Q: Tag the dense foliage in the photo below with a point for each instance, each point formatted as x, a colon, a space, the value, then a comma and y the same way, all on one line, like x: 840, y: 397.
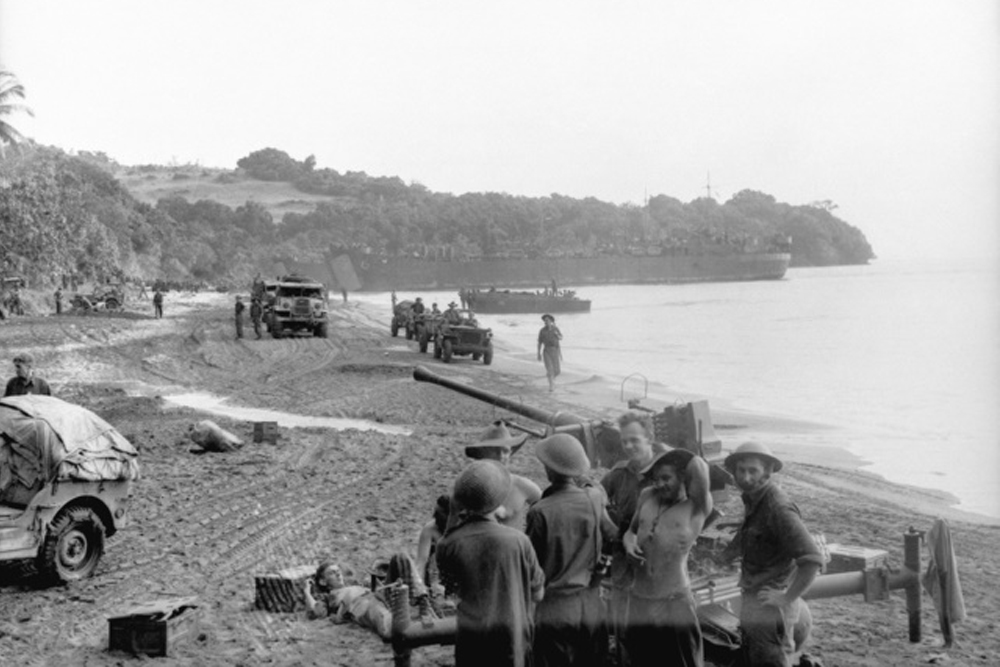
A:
x: 63, y: 214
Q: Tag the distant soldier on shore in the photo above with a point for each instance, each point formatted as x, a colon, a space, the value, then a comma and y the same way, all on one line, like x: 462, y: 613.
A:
x: 255, y: 314
x: 239, y: 316
x: 58, y: 297
x: 549, y: 350
x: 158, y: 304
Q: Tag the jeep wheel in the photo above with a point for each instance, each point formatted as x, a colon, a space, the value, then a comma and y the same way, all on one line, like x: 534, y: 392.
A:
x: 276, y: 329
x: 111, y: 304
x: 475, y: 356
x: 423, y: 341
x: 437, y: 349
x: 488, y: 356
x: 321, y: 331
x: 409, y: 333
x: 73, y: 547
x: 446, y: 353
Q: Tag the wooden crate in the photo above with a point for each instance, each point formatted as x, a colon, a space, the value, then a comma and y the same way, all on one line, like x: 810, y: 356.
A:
x: 154, y: 629
x: 283, y: 591
x: 850, y: 558
x: 265, y: 432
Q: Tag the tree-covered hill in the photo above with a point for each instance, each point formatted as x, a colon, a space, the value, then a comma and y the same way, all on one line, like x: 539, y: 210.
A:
x: 86, y: 215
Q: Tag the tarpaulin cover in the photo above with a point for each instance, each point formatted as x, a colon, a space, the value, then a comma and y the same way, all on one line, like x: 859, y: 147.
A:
x: 46, y: 438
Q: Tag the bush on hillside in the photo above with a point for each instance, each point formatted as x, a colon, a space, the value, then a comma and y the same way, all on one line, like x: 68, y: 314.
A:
x: 270, y: 164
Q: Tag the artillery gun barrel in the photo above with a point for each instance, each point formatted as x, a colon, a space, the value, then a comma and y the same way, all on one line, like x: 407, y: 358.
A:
x: 422, y: 374
x: 601, y: 441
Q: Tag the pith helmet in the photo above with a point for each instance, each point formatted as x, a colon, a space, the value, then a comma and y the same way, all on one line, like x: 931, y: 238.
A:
x: 748, y: 449
x: 564, y: 454
x: 497, y: 435
x: 482, y: 487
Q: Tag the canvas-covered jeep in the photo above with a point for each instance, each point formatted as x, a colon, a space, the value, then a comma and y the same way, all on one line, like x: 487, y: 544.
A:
x: 65, y: 485
x: 463, y: 337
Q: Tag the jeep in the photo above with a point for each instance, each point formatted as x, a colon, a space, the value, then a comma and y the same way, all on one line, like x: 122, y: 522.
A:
x: 299, y: 307
x: 65, y: 485
x: 463, y: 337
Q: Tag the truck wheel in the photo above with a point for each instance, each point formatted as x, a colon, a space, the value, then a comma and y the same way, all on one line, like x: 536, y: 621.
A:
x: 111, y: 304
x: 276, y: 329
x: 446, y: 353
x: 73, y: 547
x: 395, y: 329
x: 488, y: 356
x: 321, y: 331
x: 423, y: 342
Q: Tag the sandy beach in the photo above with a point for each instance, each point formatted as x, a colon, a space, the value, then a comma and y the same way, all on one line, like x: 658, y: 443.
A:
x: 206, y: 524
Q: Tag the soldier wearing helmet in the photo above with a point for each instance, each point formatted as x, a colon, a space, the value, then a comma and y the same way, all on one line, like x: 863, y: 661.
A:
x: 780, y: 559
x: 494, y: 571
x: 566, y: 528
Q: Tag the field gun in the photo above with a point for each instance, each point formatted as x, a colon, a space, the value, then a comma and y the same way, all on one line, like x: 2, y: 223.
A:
x: 601, y: 440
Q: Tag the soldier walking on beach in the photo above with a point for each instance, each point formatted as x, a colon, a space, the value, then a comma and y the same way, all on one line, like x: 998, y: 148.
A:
x: 239, y: 316
x: 780, y: 560
x: 565, y: 528
x: 494, y: 571
x: 255, y: 314
x: 549, y: 351
x: 662, y: 624
x: 623, y: 483
x: 158, y: 304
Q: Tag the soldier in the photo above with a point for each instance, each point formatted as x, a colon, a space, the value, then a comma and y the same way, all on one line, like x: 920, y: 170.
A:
x: 497, y: 444
x: 239, y: 316
x: 452, y: 316
x: 58, y: 300
x: 255, y: 313
x: 549, y: 350
x: 435, y: 310
x: 25, y: 381
x: 158, y: 304
x: 565, y: 528
x: 780, y: 560
x: 662, y: 624
x: 494, y: 571
x: 623, y: 483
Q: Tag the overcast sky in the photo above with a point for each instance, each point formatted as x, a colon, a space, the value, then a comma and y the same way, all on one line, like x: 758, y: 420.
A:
x: 887, y: 107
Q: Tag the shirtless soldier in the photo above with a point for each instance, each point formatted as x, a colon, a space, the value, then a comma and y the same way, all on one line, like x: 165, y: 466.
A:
x: 662, y: 624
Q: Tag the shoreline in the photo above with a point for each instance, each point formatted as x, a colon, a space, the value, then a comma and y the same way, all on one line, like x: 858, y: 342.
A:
x: 811, y: 448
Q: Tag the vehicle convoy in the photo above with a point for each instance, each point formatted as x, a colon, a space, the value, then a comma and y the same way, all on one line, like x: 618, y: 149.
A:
x: 299, y: 307
x: 462, y: 338
x: 65, y: 485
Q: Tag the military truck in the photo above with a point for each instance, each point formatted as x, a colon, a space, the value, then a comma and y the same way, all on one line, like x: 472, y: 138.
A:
x: 461, y: 337
x: 299, y: 307
x: 65, y: 485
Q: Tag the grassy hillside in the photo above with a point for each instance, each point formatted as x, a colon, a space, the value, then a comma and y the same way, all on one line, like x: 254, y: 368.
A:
x: 149, y: 184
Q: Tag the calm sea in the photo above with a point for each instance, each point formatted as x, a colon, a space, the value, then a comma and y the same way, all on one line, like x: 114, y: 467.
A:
x: 900, y: 358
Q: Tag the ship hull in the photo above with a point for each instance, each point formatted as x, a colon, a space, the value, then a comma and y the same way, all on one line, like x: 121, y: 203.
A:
x: 382, y: 274
x: 385, y: 274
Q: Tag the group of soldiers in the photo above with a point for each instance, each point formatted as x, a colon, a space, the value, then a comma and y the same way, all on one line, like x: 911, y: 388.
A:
x: 527, y: 565
x: 256, y: 314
